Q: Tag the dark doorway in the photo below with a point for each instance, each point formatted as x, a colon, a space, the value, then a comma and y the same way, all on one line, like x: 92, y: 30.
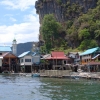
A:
x: 27, y: 69
x: 0, y: 70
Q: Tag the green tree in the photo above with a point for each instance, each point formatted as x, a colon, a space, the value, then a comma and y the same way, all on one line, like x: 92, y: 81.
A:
x: 84, y: 34
x: 86, y: 44
x: 97, y: 33
x: 50, y: 30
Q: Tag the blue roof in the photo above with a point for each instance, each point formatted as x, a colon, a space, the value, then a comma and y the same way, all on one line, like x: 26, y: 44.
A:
x: 5, y: 48
x: 24, y: 54
x: 34, y: 54
x: 89, y: 51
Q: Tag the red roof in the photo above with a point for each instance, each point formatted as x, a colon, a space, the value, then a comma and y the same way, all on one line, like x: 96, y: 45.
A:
x: 57, y: 55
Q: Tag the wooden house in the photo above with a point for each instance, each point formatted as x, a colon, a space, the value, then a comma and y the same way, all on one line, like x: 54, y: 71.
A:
x: 29, y: 61
x: 74, y: 57
x: 56, y: 61
x: 9, y: 62
x: 7, y: 59
x: 91, y: 59
x: 26, y: 62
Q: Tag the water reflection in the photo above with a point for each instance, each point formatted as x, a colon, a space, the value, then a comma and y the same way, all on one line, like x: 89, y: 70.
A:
x: 60, y: 89
x: 28, y: 88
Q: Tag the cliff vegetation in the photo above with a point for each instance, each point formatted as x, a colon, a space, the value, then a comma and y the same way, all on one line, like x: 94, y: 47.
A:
x: 65, y: 24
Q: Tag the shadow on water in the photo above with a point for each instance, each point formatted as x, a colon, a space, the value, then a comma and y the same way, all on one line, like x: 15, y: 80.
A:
x: 31, y: 88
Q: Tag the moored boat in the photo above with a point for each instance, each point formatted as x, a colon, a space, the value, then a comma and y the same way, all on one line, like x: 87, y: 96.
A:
x: 36, y: 74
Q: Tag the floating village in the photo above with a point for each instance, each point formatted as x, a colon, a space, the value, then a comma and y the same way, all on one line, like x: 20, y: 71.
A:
x: 57, y: 64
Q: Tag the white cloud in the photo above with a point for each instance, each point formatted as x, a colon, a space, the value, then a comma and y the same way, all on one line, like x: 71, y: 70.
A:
x: 23, y: 32
x: 31, y: 18
x: 18, y: 4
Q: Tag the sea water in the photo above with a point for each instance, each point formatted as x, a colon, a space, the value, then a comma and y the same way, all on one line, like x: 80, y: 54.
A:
x: 14, y: 87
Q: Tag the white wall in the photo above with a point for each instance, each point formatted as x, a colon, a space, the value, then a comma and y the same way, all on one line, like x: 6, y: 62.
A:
x: 26, y: 63
x: 0, y: 62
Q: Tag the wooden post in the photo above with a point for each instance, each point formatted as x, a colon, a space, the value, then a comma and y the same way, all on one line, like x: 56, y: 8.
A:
x: 53, y: 64
x: 9, y: 63
x: 31, y: 68
x: 16, y: 65
x: 56, y: 60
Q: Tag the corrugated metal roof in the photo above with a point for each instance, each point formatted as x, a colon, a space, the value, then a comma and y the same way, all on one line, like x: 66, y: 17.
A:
x: 24, y: 54
x: 57, y: 54
x: 5, y: 48
x: 89, y: 51
x: 96, y: 56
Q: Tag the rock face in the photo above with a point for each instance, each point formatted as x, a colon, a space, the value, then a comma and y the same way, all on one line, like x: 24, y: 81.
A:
x: 63, y: 9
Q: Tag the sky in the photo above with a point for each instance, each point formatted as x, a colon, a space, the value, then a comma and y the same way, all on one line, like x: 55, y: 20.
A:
x: 18, y: 20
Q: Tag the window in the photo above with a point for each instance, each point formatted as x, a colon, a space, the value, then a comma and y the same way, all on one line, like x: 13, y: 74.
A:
x: 21, y: 60
x: 27, y: 60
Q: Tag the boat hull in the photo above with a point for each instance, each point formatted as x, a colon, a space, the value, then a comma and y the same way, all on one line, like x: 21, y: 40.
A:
x: 36, y: 75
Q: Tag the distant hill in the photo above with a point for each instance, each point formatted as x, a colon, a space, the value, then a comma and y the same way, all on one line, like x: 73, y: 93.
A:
x: 23, y: 47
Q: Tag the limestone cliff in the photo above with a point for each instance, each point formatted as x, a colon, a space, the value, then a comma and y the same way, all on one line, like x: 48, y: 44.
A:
x: 63, y: 9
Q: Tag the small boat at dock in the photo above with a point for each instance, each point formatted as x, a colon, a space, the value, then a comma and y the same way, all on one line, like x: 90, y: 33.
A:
x: 36, y: 74
x: 5, y: 72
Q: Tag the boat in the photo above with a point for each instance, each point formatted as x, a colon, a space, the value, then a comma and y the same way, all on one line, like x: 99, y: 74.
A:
x: 36, y: 74
x: 75, y: 76
x: 28, y: 75
x: 5, y: 72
